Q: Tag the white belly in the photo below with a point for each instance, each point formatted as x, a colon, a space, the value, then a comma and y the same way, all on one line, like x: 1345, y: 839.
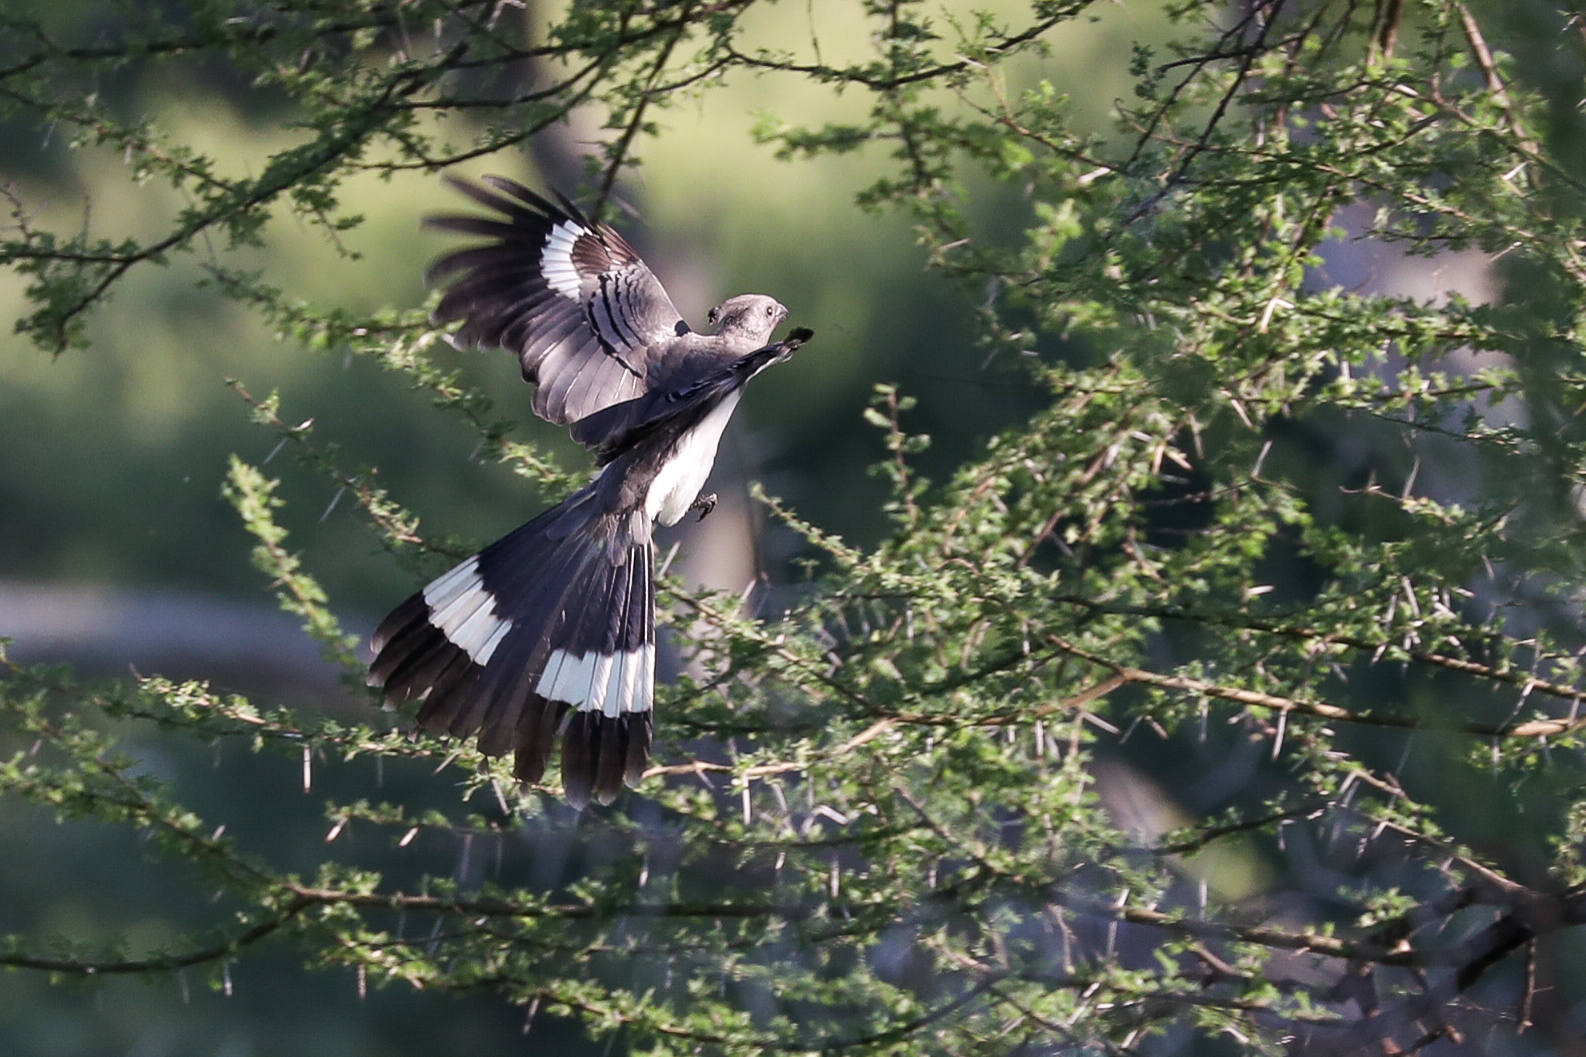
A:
x: 682, y: 476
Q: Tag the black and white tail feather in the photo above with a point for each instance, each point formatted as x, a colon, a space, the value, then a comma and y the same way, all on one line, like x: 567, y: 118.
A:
x: 556, y: 616
x: 550, y: 631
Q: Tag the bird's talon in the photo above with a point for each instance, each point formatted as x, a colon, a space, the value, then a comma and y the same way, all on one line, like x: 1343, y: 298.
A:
x: 704, y: 504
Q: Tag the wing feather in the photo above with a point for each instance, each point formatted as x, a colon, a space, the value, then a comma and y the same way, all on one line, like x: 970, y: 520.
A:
x: 587, y: 318
x: 619, y: 426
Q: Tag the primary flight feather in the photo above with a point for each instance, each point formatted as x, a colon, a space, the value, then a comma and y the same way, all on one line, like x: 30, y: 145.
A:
x: 550, y: 631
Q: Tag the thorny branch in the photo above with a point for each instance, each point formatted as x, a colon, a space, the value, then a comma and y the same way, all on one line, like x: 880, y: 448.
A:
x: 920, y: 777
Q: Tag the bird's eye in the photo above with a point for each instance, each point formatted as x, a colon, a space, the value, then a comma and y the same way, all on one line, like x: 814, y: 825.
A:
x: 770, y: 311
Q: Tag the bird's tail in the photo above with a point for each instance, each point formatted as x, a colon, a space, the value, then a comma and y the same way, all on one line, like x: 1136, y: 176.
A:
x: 557, y: 617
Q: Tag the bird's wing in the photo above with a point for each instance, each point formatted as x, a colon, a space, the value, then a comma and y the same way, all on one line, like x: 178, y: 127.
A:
x: 615, y: 429
x: 587, y: 318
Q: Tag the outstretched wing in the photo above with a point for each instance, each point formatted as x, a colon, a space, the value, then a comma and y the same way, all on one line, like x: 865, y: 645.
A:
x: 616, y: 429
x: 586, y: 317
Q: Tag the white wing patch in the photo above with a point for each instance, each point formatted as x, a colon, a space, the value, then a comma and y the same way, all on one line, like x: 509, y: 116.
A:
x: 609, y: 683
x: 556, y: 261
x: 465, y: 612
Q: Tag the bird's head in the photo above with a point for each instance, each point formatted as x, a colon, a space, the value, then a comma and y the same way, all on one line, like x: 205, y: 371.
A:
x: 751, y: 317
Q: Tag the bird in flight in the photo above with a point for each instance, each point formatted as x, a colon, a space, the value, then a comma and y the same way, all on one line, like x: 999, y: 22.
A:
x: 551, y: 629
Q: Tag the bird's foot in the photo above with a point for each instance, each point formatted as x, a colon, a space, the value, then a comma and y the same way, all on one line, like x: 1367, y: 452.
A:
x: 704, y: 504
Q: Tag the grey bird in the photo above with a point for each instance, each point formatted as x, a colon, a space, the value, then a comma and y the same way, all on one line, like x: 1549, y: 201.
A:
x: 551, y: 630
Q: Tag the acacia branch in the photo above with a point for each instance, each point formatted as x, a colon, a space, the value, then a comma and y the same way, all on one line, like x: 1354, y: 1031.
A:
x: 162, y: 963
x: 1537, y: 728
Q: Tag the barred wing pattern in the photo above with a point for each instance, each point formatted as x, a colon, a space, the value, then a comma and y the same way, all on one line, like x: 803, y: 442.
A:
x: 586, y: 317
x: 549, y: 633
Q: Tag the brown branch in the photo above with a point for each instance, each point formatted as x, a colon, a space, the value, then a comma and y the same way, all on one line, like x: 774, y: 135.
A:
x: 232, y: 36
x: 1489, y: 67
x: 765, y: 770
x: 1522, y: 925
x: 620, y: 150
x: 1538, y: 728
x: 1385, y: 31
x: 565, y: 911
x: 888, y: 84
x: 169, y: 963
x: 1247, y: 59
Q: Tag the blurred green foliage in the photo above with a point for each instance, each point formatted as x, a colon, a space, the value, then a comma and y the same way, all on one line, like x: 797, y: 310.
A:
x: 1206, y: 681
